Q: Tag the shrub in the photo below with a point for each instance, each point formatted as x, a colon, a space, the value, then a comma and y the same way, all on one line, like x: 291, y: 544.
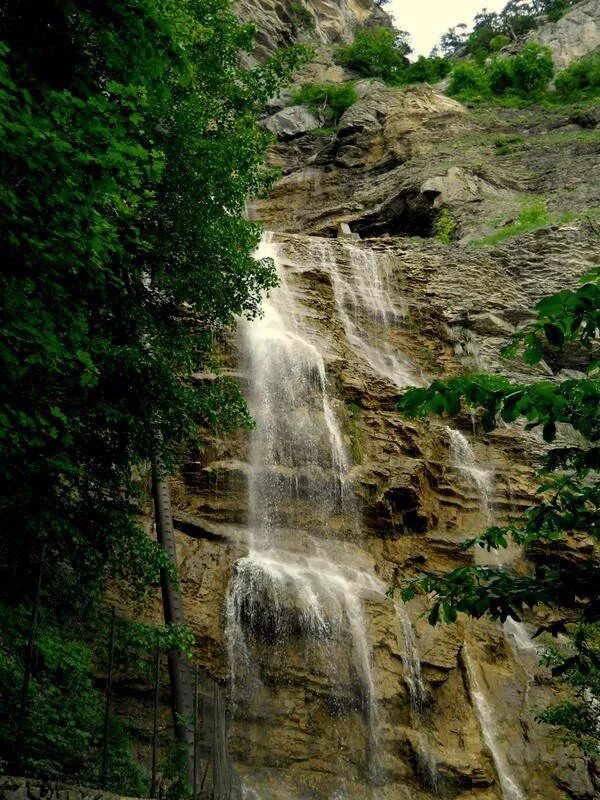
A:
x: 302, y: 16
x: 445, y: 227
x: 426, y: 70
x: 469, y: 81
x: 581, y: 77
x: 558, y: 8
x: 376, y: 53
x: 329, y: 100
x: 526, y: 76
x: 500, y: 75
x: 498, y: 42
x: 532, y: 70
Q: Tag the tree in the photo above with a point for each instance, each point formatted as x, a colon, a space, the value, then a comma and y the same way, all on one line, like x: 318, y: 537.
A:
x: 376, y: 53
x: 129, y: 146
x: 454, y: 39
x: 569, y: 501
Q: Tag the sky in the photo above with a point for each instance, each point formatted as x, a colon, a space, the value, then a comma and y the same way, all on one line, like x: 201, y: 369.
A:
x: 426, y: 20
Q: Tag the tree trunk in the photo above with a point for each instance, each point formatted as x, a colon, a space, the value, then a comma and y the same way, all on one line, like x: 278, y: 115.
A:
x: 182, y: 691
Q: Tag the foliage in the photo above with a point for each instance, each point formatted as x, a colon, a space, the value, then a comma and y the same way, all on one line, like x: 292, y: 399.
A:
x: 568, y: 495
x: 492, y: 31
x: 328, y: 100
x: 130, y: 146
x: 66, y: 709
x: 555, y: 9
x: 576, y: 718
x: 525, y: 75
x: 302, y: 17
x: 376, y: 53
x: 469, y: 81
x: 533, y: 214
x: 445, y: 227
x: 426, y: 70
x: 580, y: 78
x: 531, y: 70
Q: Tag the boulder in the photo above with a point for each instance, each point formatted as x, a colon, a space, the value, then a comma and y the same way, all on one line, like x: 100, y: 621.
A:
x: 292, y: 122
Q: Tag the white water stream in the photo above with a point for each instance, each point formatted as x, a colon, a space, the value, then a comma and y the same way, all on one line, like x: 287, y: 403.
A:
x: 487, y: 720
x: 297, y: 581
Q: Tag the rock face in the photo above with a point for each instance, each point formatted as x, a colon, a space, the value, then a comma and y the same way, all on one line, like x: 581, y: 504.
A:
x: 279, y: 22
x: 573, y: 36
x: 289, y: 536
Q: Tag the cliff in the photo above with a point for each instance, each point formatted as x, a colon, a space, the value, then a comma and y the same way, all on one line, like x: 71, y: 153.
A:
x: 289, y: 535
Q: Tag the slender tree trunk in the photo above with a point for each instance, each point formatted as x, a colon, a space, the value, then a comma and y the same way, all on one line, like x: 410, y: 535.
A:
x: 182, y: 690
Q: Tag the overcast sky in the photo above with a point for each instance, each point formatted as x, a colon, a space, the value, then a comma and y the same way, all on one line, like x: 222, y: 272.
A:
x: 426, y: 20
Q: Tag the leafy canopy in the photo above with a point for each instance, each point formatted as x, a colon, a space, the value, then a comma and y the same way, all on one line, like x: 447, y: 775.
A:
x: 129, y: 148
x: 376, y: 53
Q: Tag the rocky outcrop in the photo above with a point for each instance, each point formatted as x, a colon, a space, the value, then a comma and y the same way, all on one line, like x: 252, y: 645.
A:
x: 401, y: 155
x: 573, y: 36
x: 297, y: 732
x: 289, y: 123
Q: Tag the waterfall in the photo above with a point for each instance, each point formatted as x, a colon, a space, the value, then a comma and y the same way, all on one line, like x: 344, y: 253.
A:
x: 361, y: 292
x: 509, y: 786
x: 411, y: 660
x: 463, y: 458
x: 297, y: 582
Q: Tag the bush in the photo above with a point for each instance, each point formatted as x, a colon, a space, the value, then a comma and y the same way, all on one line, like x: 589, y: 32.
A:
x: 532, y: 70
x: 302, y: 17
x: 445, y: 227
x: 500, y: 75
x: 558, y: 8
x: 498, y: 42
x: 329, y: 100
x: 582, y: 77
x: 426, y: 70
x: 525, y: 76
x: 469, y: 81
x: 376, y: 53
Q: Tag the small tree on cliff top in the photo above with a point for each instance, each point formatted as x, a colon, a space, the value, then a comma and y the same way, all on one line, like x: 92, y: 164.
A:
x: 569, y: 502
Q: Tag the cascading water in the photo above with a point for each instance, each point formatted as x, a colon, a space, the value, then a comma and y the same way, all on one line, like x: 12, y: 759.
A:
x: 361, y: 291
x: 463, y: 459
x: 297, y: 581
x: 411, y: 660
x: 487, y: 721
